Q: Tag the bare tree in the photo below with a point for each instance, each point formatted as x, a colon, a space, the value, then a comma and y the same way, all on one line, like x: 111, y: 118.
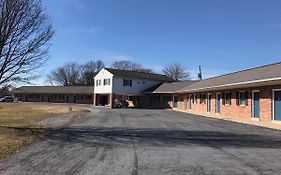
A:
x: 25, y: 32
x: 67, y: 75
x: 128, y: 65
x: 90, y: 69
x: 176, y: 72
x: 5, y: 90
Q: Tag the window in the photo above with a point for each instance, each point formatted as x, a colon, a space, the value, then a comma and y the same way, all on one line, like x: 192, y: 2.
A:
x: 193, y: 98
x: 127, y: 82
x: 106, y: 81
x: 228, y: 98
x: 156, y: 98
x: 241, y: 98
x: 167, y: 98
x: 89, y: 97
x: 97, y: 82
x: 202, y: 98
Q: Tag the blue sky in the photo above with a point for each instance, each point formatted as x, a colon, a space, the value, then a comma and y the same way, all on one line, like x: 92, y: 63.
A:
x: 222, y: 36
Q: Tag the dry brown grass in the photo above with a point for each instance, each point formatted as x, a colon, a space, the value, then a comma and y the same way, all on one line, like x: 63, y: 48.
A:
x: 18, y: 124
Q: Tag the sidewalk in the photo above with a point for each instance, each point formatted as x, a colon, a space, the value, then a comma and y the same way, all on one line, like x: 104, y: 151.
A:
x: 271, y: 124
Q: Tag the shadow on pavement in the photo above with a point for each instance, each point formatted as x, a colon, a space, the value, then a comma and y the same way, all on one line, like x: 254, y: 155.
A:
x: 122, y: 137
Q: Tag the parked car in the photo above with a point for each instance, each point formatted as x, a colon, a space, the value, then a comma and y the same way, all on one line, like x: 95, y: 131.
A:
x: 120, y: 103
x: 7, y: 99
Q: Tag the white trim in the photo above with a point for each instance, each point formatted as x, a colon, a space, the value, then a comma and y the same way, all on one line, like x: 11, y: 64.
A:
x: 225, y: 99
x: 273, y: 97
x: 242, y: 105
x: 216, y: 110
x: 233, y: 84
x: 253, y: 108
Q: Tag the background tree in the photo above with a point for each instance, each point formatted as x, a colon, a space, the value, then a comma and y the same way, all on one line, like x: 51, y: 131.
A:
x: 5, y: 90
x: 89, y: 70
x: 67, y: 75
x: 176, y: 72
x: 25, y: 32
x: 129, y: 65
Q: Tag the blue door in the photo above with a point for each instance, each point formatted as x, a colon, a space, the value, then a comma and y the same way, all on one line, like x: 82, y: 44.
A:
x: 175, y: 101
x: 209, y: 103
x: 256, y: 104
x: 218, y: 104
x: 277, y: 105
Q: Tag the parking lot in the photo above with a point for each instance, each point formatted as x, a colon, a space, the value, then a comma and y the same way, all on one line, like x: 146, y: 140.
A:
x: 135, y: 141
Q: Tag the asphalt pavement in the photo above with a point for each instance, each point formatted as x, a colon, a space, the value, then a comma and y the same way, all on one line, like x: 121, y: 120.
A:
x: 139, y: 141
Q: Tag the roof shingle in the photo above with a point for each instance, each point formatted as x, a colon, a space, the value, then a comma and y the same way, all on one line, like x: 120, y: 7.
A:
x: 138, y: 75
x: 266, y: 72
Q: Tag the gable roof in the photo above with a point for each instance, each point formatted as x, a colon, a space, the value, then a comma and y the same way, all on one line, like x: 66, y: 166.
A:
x: 169, y: 87
x: 55, y: 89
x: 271, y: 72
x: 138, y: 75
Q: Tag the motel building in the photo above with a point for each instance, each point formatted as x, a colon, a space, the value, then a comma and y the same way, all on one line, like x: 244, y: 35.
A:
x: 113, y: 84
x: 252, y: 94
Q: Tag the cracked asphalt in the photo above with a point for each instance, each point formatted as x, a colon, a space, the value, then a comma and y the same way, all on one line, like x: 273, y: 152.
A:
x: 136, y: 141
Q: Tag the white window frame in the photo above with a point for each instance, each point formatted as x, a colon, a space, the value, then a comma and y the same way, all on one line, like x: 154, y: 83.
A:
x: 273, y: 101
x: 107, y: 81
x: 225, y: 99
x: 239, y: 101
x: 253, y: 91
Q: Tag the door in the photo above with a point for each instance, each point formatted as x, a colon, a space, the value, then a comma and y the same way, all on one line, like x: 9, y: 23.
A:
x: 218, y: 104
x: 209, y: 103
x: 49, y: 99
x: 277, y: 105
x: 67, y: 99
x: 175, y: 101
x: 74, y: 99
x: 256, y: 104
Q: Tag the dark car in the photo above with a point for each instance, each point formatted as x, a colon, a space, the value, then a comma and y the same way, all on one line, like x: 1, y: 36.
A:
x: 7, y: 99
x: 120, y: 103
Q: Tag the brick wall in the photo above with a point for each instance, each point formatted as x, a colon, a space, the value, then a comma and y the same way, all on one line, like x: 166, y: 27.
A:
x: 233, y: 110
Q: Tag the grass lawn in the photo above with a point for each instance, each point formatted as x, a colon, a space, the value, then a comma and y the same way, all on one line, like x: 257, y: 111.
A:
x: 18, y: 124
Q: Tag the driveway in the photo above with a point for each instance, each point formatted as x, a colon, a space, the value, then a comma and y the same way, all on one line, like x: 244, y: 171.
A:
x: 150, y: 142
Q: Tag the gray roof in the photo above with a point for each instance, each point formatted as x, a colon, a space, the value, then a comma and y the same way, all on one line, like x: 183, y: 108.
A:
x: 138, y: 75
x: 55, y: 89
x: 266, y: 73
x: 171, y: 87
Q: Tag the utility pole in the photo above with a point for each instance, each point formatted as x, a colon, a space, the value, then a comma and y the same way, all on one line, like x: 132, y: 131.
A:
x: 200, y: 76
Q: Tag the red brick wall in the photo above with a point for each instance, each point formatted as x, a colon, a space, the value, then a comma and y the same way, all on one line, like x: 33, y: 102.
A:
x: 233, y: 110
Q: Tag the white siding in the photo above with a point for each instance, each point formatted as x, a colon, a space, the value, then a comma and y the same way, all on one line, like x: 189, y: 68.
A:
x: 137, y: 87
x: 103, y: 89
